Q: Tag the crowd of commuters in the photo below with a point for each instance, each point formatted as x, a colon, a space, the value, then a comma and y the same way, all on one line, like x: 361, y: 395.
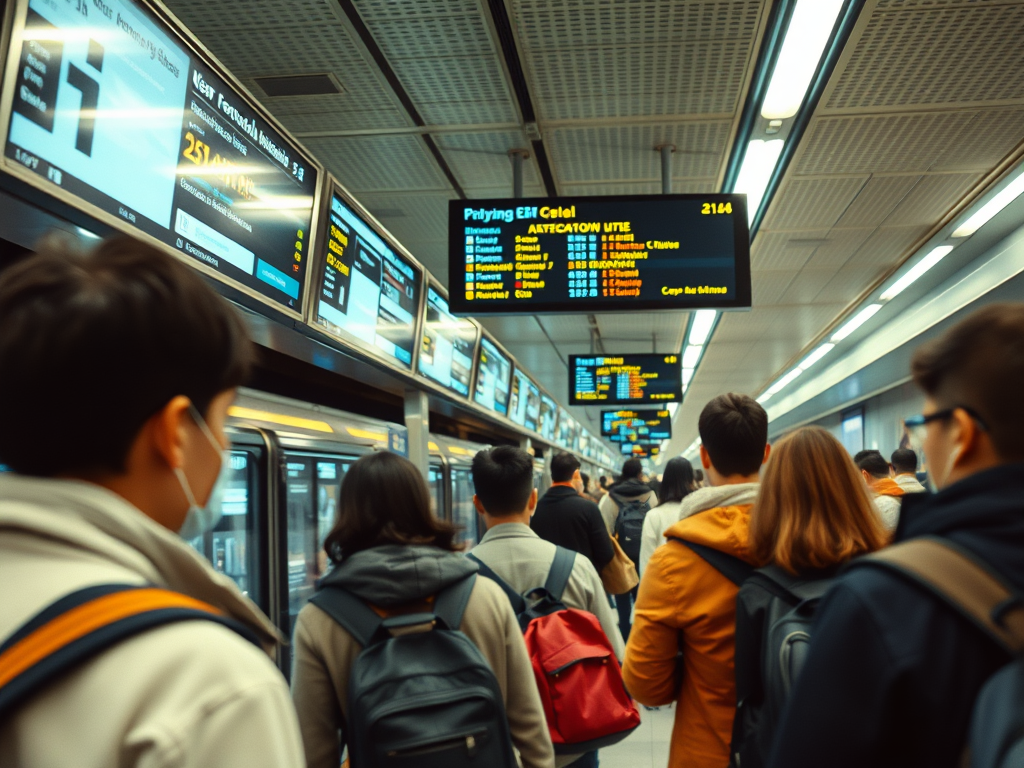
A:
x: 883, y: 673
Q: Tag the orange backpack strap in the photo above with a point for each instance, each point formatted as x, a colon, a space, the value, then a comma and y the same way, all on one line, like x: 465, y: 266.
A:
x: 81, y: 625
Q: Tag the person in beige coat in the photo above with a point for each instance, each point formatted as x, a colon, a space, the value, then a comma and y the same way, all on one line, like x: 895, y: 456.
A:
x: 116, y: 373
x: 391, y: 552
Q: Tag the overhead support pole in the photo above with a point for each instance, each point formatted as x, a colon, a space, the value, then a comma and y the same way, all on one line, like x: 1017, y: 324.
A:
x: 417, y: 422
x: 666, y: 167
x: 517, y: 156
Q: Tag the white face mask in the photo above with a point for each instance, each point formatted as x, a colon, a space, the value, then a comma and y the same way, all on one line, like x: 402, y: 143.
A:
x: 201, y: 519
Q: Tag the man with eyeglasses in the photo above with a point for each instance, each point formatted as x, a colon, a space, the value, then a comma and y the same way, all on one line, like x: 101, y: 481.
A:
x: 893, y: 671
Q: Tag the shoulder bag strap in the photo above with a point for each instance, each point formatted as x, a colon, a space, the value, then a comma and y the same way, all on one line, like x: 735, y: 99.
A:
x: 734, y: 569
x: 962, y: 581
x: 518, y: 604
x: 350, y: 612
x: 80, y: 626
x: 451, y: 601
x: 558, y: 574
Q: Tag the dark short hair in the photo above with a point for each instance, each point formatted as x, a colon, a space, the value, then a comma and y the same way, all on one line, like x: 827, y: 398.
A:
x: 734, y: 431
x: 979, y: 364
x: 866, y: 452
x: 384, y: 500
x: 93, y: 345
x: 874, y: 464
x: 904, y: 461
x: 632, y: 469
x: 698, y: 475
x: 503, y: 479
x: 677, y: 480
x: 563, y: 467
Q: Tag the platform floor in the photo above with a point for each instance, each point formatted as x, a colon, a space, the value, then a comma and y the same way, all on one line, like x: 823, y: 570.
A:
x: 647, y: 746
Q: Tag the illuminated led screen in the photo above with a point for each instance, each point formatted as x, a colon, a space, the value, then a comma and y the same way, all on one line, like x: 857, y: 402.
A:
x: 109, y: 105
x: 645, y: 424
x: 493, y: 377
x: 448, y: 344
x: 524, y: 402
x: 598, y: 254
x: 548, y: 416
x: 369, y: 295
x: 624, y: 379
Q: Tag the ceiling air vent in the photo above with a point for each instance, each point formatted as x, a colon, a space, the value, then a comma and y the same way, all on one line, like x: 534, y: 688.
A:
x: 299, y: 85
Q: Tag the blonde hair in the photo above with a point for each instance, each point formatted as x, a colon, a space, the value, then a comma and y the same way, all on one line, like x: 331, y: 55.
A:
x: 813, y: 510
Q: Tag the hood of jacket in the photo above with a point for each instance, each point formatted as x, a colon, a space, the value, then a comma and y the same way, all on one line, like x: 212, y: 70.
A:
x: 395, y: 574
x: 630, y: 489
x: 77, y: 516
x: 724, y: 526
x: 984, y: 513
x: 718, y: 496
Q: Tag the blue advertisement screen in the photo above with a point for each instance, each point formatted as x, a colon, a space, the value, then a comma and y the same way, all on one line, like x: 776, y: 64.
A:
x: 369, y: 294
x: 493, y: 378
x: 524, y: 402
x: 446, y: 351
x: 109, y: 105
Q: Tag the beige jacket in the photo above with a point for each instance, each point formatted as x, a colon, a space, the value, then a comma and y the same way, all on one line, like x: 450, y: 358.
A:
x: 324, y: 653
x: 191, y: 694
x: 522, y: 560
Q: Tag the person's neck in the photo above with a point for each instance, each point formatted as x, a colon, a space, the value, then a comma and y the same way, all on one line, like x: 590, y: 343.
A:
x: 907, y: 474
x: 566, y: 484
x: 718, y: 480
x: 523, y: 518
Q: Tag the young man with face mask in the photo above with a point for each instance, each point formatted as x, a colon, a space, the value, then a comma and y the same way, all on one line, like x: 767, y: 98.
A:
x: 116, y: 373
x: 893, y: 671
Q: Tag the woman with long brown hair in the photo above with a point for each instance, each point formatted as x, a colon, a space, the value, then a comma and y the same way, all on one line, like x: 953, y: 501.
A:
x: 812, y: 515
x: 392, y: 553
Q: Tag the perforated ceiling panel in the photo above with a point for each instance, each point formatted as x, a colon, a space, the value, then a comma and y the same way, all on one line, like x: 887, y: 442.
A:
x: 481, y: 161
x: 372, y: 163
x: 593, y: 59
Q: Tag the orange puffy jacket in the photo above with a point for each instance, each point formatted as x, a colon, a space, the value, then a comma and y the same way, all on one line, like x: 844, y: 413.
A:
x: 686, y: 604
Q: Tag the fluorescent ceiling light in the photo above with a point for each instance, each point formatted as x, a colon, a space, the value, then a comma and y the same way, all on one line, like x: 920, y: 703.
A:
x: 765, y: 398
x: 781, y: 383
x: 858, y: 320
x: 693, y: 446
x: 815, y: 356
x: 691, y: 355
x: 809, y: 29
x: 687, y: 376
x: 700, y: 328
x: 756, y: 172
x: 934, y: 257
x: 1012, y: 191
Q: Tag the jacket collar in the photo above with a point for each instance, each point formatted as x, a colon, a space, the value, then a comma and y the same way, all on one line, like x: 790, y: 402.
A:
x: 886, y: 486
x: 508, y: 531
x: 85, y: 516
x: 630, y: 488
x: 992, y: 497
x: 718, y: 496
x: 561, y: 491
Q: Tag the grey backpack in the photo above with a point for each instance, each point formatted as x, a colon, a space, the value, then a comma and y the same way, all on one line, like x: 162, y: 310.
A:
x: 629, y: 525
x: 420, y: 699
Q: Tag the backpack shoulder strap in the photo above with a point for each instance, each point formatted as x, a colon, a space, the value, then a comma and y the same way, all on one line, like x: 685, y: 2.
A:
x: 962, y: 581
x: 81, y: 625
x: 558, y: 574
x: 451, y: 601
x: 518, y: 604
x: 734, y: 569
x: 357, y: 618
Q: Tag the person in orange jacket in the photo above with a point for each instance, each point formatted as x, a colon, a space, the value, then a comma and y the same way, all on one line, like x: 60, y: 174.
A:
x: 887, y: 493
x: 687, y: 608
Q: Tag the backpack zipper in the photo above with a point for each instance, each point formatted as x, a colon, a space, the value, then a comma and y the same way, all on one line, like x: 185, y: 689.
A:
x: 469, y: 740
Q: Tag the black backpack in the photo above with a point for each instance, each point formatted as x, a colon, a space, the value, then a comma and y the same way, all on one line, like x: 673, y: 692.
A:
x: 420, y: 699
x: 784, y: 648
x: 629, y: 524
x: 969, y: 586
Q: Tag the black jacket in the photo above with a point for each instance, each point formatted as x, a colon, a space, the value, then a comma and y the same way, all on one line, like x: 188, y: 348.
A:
x: 565, y: 518
x: 893, y: 672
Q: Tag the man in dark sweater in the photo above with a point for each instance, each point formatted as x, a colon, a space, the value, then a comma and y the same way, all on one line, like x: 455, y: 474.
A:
x: 892, y: 671
x: 567, y: 519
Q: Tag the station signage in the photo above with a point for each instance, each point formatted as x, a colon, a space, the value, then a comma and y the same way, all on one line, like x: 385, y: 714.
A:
x: 636, y: 379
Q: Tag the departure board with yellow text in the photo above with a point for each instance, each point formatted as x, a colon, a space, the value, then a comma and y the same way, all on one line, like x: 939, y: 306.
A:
x: 598, y: 254
x: 625, y: 379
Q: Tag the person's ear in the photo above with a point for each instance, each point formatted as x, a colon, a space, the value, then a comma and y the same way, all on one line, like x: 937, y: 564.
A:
x: 705, y: 460
x: 867, y: 476
x: 532, y: 504
x: 767, y: 452
x: 964, y: 430
x: 478, y: 505
x: 167, y: 431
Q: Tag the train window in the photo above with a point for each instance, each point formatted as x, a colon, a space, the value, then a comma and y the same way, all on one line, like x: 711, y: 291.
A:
x: 464, y: 514
x: 435, y: 478
x: 313, y: 489
x: 233, y: 546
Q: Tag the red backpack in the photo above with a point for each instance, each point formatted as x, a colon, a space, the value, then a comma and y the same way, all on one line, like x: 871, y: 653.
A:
x: 579, y: 678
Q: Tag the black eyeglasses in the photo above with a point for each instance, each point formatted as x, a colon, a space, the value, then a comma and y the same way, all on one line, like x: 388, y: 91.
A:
x: 919, y: 421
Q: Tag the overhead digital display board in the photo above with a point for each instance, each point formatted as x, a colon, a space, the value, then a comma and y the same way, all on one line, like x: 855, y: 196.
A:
x: 108, y: 108
x: 524, y: 402
x: 368, y: 294
x: 493, y: 377
x: 645, y: 424
x: 640, y: 450
x: 625, y: 379
x: 548, y: 416
x: 448, y: 344
x: 598, y: 254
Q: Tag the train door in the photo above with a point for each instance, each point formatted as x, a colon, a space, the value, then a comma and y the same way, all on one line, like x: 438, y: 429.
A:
x: 237, y: 546
x: 435, y: 479
x: 464, y: 514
